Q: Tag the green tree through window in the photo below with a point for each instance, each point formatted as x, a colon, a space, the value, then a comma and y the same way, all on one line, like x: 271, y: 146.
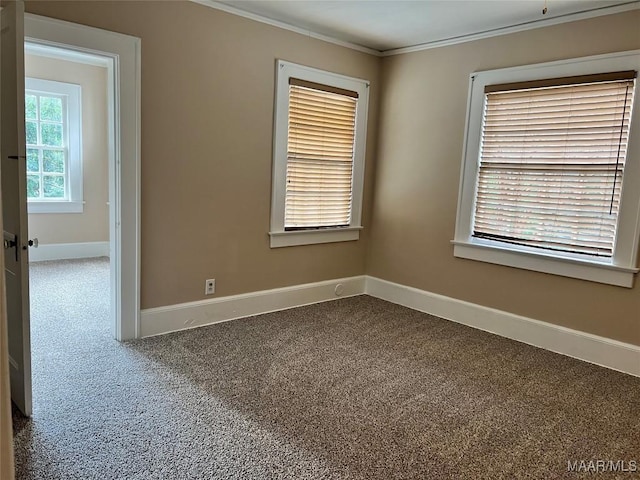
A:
x: 46, y: 150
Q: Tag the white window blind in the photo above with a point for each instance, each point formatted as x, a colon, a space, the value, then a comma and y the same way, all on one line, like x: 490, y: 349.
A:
x: 552, y: 161
x: 320, y: 154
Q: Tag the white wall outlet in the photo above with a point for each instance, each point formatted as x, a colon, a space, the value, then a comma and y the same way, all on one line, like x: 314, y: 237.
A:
x: 210, y: 286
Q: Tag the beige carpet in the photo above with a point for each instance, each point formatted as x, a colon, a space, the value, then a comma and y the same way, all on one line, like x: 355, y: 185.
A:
x: 353, y: 389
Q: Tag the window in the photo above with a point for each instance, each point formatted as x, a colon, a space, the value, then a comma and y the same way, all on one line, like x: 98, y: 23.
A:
x: 318, y: 166
x: 54, y: 169
x: 549, y: 182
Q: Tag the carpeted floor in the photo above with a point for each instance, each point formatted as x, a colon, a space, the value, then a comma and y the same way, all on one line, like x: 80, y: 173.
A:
x: 353, y: 389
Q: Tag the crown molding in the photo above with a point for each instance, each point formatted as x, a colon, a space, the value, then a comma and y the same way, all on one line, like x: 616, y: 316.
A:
x: 286, y: 26
x: 543, y: 22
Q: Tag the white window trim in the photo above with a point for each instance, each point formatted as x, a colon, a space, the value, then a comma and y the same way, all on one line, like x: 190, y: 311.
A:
x: 73, y: 137
x: 618, y: 270
x: 280, y: 237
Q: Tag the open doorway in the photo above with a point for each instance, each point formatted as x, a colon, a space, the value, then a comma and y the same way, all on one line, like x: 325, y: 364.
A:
x: 67, y: 137
x: 67, y: 144
x: 119, y: 55
x: 122, y: 56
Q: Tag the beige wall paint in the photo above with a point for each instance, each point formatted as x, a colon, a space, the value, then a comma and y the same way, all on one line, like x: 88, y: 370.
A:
x: 423, y: 108
x: 207, y: 127
x: 92, y: 225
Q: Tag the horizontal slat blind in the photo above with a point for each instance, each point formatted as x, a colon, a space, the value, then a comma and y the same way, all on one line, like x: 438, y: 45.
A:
x: 551, y: 165
x: 319, y: 157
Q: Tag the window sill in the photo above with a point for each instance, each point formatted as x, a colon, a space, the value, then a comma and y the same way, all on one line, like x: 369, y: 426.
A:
x: 310, y: 237
x: 584, y: 269
x: 55, y: 207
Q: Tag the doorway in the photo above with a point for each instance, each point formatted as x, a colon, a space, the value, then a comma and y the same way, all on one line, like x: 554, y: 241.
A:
x: 66, y: 113
x: 120, y: 54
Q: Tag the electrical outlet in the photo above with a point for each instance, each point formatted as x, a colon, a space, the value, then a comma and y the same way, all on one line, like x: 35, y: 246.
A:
x: 210, y: 286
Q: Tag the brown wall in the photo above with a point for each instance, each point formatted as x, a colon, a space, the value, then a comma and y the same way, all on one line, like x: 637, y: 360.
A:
x: 422, y: 113
x: 92, y: 225
x: 207, y: 128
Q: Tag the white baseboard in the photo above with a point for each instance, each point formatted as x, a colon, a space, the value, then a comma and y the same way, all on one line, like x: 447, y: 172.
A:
x: 65, y: 251
x: 602, y: 351
x: 155, y: 321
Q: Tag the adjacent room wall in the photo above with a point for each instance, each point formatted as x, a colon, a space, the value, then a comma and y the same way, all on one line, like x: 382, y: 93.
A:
x: 423, y: 109
x: 207, y: 129
x: 92, y: 225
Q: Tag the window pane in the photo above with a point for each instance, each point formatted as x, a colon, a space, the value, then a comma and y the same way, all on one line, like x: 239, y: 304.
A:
x: 33, y: 186
x: 51, y: 134
x: 53, y: 161
x: 51, y: 109
x: 33, y: 163
x: 32, y: 133
x: 30, y: 108
x: 53, y: 186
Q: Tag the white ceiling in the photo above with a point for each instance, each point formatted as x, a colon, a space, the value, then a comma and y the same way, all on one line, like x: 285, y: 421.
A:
x: 382, y: 25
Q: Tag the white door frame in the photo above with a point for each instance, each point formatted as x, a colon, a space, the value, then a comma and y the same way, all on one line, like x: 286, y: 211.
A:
x: 122, y: 53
